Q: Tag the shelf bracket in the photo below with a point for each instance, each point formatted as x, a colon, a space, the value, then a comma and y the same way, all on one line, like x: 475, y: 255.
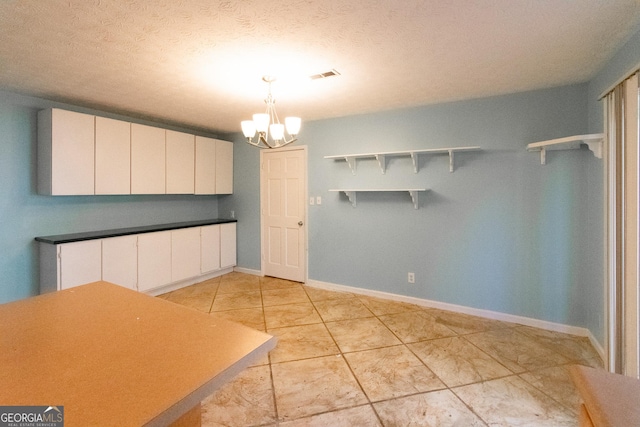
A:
x: 451, y: 161
x: 414, y: 159
x: 595, y: 147
x: 414, y: 198
x: 543, y: 156
x: 351, y: 161
x: 352, y: 197
x: 382, y: 161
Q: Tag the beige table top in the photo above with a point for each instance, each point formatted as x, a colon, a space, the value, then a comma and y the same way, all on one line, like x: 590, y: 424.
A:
x: 611, y: 400
x: 112, y: 356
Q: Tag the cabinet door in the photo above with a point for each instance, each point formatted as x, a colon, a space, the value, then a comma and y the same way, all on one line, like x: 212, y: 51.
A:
x: 80, y: 263
x: 147, y: 160
x: 65, y: 152
x: 227, y: 245
x: 113, y: 156
x: 120, y: 261
x: 224, y: 167
x: 180, y: 162
x: 209, y: 248
x: 205, y: 165
x: 185, y: 253
x: 154, y: 260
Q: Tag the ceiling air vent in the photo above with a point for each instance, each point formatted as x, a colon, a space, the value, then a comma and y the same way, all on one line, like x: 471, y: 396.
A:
x: 324, y: 75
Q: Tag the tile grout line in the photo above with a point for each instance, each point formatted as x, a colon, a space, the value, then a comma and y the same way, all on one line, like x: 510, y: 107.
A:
x: 273, y: 384
x: 536, y: 373
x: 341, y: 354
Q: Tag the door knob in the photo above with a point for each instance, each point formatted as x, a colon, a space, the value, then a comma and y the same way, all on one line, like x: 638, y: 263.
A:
x: 300, y: 223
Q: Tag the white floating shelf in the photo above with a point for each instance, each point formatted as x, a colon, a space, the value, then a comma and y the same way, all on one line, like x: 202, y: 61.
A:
x: 381, y: 157
x: 351, y: 193
x: 593, y: 141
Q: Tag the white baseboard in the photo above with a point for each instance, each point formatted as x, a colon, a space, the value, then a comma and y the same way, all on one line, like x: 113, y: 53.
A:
x: 599, y: 348
x: 188, y: 282
x: 488, y: 314
x: 248, y: 271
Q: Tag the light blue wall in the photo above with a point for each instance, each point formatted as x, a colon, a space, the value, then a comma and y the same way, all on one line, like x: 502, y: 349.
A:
x: 501, y: 233
x: 24, y: 214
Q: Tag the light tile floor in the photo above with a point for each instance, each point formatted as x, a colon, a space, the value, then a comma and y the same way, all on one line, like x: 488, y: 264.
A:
x: 351, y: 360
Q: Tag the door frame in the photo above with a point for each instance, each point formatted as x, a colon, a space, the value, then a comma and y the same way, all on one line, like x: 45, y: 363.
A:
x: 305, y: 171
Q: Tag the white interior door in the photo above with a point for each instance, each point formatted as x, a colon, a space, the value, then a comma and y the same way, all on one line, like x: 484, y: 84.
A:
x: 283, y: 185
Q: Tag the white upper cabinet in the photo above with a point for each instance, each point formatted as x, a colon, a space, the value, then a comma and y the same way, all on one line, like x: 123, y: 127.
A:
x: 224, y: 167
x: 113, y: 156
x: 180, y: 162
x: 205, y: 165
x: 65, y: 152
x: 148, y: 156
x: 81, y: 154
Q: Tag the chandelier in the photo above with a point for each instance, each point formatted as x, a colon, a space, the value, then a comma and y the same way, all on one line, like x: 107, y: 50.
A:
x: 268, y: 125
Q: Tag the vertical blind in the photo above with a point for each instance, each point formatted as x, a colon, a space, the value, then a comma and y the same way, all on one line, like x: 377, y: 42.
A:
x: 623, y: 228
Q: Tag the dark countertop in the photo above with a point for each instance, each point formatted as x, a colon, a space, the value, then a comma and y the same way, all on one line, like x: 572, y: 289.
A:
x: 102, y: 234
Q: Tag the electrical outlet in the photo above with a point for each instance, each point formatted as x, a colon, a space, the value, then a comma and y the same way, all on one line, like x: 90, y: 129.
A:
x: 411, y: 278
x: 318, y: 200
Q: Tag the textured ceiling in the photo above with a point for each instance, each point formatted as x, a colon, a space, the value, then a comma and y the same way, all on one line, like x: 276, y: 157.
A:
x: 199, y: 63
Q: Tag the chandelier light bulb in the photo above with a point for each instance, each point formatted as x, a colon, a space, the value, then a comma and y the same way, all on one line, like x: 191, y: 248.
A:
x: 293, y: 125
x: 277, y: 131
x: 261, y: 121
x: 248, y: 128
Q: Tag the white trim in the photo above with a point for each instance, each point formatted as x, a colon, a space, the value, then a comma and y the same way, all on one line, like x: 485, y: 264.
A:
x: 597, y: 346
x: 187, y: 282
x: 494, y: 315
x: 610, y: 252
x: 248, y: 271
x: 609, y: 236
x: 488, y: 314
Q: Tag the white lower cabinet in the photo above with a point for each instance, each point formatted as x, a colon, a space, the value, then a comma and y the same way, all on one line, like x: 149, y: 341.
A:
x: 209, y: 248
x: 227, y: 245
x: 120, y: 261
x: 185, y: 248
x: 80, y: 263
x: 142, y: 262
x: 154, y: 260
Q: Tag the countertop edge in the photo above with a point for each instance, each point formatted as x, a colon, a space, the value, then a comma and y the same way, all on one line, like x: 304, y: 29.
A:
x: 117, y: 232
